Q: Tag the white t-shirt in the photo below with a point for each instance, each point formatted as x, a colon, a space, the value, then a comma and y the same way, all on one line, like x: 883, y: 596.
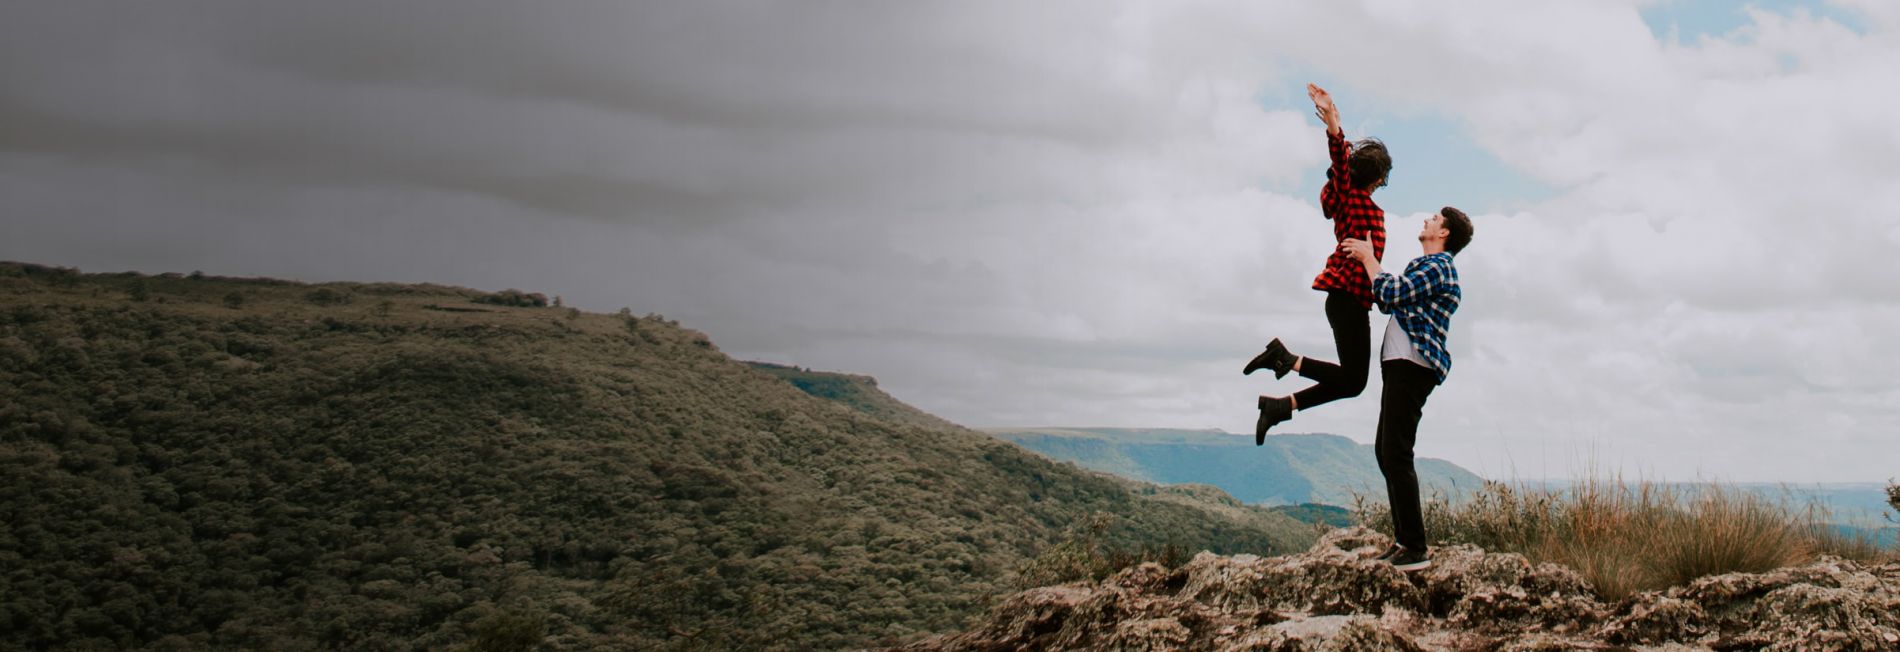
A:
x: 1398, y: 345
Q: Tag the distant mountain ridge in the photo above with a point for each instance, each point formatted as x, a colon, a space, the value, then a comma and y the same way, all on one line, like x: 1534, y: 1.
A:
x: 1288, y: 470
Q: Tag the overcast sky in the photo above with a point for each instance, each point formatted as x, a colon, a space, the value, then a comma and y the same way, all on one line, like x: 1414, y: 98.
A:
x: 1079, y: 213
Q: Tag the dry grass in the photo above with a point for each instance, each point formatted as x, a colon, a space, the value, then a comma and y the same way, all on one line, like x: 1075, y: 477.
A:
x: 1628, y: 537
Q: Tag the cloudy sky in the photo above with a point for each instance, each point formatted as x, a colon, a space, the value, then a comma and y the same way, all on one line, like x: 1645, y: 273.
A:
x: 1076, y: 212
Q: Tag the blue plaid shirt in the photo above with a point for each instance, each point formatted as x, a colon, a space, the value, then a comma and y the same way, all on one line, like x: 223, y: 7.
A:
x: 1422, y: 300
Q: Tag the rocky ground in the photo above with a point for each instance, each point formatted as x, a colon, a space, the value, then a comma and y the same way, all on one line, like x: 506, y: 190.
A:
x: 1335, y: 597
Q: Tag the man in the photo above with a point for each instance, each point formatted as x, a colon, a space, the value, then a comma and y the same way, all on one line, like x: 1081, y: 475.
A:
x: 1346, y: 199
x: 1412, y: 362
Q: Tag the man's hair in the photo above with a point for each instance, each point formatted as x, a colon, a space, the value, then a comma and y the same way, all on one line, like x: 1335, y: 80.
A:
x: 1369, y: 162
x: 1460, y: 227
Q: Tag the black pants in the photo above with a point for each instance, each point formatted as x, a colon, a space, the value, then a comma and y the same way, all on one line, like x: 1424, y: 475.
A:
x: 1352, y: 336
x: 1407, y: 384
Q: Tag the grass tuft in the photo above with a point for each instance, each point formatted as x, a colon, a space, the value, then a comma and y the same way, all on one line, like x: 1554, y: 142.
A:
x: 1629, y: 537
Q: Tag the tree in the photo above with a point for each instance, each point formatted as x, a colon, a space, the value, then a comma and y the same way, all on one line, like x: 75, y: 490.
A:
x: 1893, y: 495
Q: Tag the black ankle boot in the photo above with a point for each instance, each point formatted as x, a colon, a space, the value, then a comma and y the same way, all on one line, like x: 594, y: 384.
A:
x: 1276, y: 357
x: 1273, y: 411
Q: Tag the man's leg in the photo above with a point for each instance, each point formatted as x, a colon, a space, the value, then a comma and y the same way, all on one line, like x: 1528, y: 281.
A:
x: 1401, y: 403
x: 1352, y: 336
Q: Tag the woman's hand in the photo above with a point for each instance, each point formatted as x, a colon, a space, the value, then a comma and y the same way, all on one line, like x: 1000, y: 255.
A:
x: 1323, y: 107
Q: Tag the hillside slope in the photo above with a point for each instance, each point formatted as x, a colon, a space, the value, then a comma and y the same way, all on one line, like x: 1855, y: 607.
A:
x: 201, y: 462
x: 854, y: 391
x: 1288, y: 470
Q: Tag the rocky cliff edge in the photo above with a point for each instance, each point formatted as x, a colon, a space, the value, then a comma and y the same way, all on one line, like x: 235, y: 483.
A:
x: 1336, y: 597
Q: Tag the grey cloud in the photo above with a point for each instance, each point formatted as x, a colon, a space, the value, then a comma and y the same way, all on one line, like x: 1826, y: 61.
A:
x: 1010, y: 213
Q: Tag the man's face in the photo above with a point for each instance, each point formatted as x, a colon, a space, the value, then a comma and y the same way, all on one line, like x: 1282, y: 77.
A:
x: 1434, y: 228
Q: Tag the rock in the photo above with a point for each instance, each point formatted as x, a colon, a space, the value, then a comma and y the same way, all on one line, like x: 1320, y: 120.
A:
x: 1334, y: 597
x: 1326, y: 634
x: 1831, y: 604
x: 1156, y: 634
x: 1148, y: 576
x: 1324, y: 580
x: 1655, y: 618
x: 1029, y: 620
x: 1358, y: 540
x: 1504, y: 592
x: 1809, y: 617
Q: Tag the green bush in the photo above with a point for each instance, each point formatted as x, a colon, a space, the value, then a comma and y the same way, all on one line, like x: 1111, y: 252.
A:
x: 327, y: 297
x: 512, y: 297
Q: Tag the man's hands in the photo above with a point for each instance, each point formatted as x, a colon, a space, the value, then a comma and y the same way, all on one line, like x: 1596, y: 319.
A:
x: 1323, y: 107
x: 1362, y: 250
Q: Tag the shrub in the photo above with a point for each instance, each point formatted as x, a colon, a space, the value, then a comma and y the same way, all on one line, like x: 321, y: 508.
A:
x: 234, y: 300
x: 1083, y: 554
x: 327, y: 297
x: 513, y: 297
x: 1893, y: 495
x: 1630, y: 537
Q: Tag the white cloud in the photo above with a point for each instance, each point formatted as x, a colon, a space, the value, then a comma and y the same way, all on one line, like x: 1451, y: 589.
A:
x: 1055, y: 213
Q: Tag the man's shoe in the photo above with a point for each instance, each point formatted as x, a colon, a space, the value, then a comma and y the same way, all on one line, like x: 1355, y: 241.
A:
x: 1409, y: 560
x: 1390, y: 552
x: 1273, y: 411
x: 1276, y: 357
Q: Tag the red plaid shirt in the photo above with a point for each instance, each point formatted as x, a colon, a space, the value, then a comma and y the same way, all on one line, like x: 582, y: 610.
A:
x: 1354, y: 216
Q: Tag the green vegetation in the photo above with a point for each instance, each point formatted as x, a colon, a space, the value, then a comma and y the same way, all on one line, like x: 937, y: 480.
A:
x: 1626, y: 538
x: 1326, y: 516
x: 853, y: 391
x: 1083, y: 554
x: 513, y: 297
x: 1288, y: 470
x: 294, y: 469
x: 1893, y: 496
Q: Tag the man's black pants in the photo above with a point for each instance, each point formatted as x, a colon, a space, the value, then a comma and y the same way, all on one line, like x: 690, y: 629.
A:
x: 1352, y: 336
x: 1407, y: 384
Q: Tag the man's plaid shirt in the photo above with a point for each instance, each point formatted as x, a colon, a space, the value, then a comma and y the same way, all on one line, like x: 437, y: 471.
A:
x: 1422, y: 299
x: 1354, y: 216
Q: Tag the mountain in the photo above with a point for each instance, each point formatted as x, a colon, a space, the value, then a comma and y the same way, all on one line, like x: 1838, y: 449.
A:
x: 1289, y: 469
x: 198, y: 462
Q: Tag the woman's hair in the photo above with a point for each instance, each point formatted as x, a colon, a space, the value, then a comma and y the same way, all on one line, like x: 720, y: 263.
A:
x: 1369, y: 163
x: 1460, y: 227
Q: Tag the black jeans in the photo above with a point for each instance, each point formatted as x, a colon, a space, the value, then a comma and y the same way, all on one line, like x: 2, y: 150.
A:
x: 1352, y: 336
x: 1407, y: 384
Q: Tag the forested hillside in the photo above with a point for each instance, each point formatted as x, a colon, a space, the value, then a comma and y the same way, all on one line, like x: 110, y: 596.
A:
x: 192, y: 462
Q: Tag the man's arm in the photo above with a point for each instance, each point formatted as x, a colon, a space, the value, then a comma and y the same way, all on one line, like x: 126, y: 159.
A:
x: 1394, y: 291
x: 1362, y: 250
x: 1426, y: 281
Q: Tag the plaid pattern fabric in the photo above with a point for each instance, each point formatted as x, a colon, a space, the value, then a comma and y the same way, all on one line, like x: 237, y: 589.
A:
x: 1422, y: 300
x: 1354, y: 216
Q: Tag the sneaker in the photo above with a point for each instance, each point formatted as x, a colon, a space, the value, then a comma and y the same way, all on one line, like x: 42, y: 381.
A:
x: 1409, y: 560
x: 1390, y: 551
x: 1273, y: 411
x: 1276, y: 357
